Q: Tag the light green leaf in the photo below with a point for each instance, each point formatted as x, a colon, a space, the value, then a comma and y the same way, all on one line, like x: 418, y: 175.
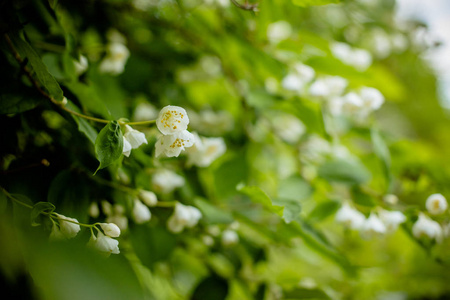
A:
x: 38, y: 209
x: 306, y: 3
x: 294, y: 188
x: 291, y: 209
x: 212, y: 213
x: 109, y: 145
x: 323, y: 210
x: 382, y: 152
x: 43, y: 75
x: 259, y: 196
x: 344, y: 171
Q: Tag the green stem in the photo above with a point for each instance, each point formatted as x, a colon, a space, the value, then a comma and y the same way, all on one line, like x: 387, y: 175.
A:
x: 141, y: 122
x: 14, y: 199
x: 166, y: 203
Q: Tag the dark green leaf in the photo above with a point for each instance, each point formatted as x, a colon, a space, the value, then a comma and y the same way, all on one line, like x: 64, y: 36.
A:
x: 53, y: 3
x: 88, y: 98
x: 83, y: 125
x: 38, y: 209
x: 3, y: 202
x: 344, y: 171
x: 213, y: 287
x: 109, y: 145
x: 21, y: 211
x: 361, y: 198
x: 16, y: 99
x: 39, y: 68
x: 303, y: 293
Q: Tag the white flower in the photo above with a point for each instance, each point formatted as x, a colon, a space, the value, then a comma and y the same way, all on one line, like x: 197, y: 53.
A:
x: 114, y: 36
x: 288, y: 127
x: 172, y: 119
x: 391, y: 219
x: 362, y: 59
x: 81, y: 65
x: 94, y: 211
x: 298, y: 78
x: 149, y: 198
x: 140, y: 212
x: 328, y: 86
x: 110, y: 229
x: 126, y: 150
x: 165, y: 181
x: 205, y: 151
x: 119, y: 219
x: 372, y: 98
x: 104, y: 244
x: 115, y: 59
x: 436, y: 204
x: 372, y: 226
x: 358, y: 58
x: 172, y: 144
x: 425, y: 227
x: 229, y: 237
x: 210, y: 122
x: 279, y: 31
x: 390, y: 199
x: 134, y: 137
x: 350, y: 217
x: 183, y: 216
x: 116, y: 214
x: 145, y: 111
x: 207, y: 240
x: 68, y: 229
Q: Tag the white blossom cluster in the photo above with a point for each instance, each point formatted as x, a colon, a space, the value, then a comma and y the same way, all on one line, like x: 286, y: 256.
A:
x: 183, y: 216
x: 205, y: 150
x: 172, y: 122
x: 227, y: 237
x: 298, y: 78
x: 360, y: 59
x: 117, y: 54
x: 105, y: 242
x: 278, y: 31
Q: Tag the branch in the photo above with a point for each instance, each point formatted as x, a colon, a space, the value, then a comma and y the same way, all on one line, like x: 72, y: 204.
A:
x: 246, y: 6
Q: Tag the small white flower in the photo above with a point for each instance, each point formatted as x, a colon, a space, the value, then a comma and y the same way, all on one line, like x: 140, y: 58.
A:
x: 425, y: 227
x: 172, y: 144
x: 149, y: 198
x: 119, y: 219
x: 391, y: 219
x: 140, y: 212
x: 68, y: 229
x: 208, y: 240
x: 213, y: 230
x: 172, y: 119
x: 145, y: 111
x: 288, y: 127
x: 373, y: 226
x: 279, y: 31
x: 358, y: 58
x: 126, y: 150
x: 350, y: 217
x: 94, y: 211
x: 362, y: 59
x: 115, y: 59
x: 81, y: 65
x: 205, y: 151
x: 351, y: 104
x: 229, y: 237
x: 390, y: 199
x: 104, y: 244
x: 328, y: 86
x: 372, y: 98
x: 298, y: 78
x: 436, y: 204
x: 165, y: 181
x: 210, y: 122
x: 134, y: 137
x: 110, y: 229
x: 183, y: 216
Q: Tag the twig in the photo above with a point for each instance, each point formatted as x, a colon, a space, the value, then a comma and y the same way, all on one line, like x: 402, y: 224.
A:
x: 246, y: 6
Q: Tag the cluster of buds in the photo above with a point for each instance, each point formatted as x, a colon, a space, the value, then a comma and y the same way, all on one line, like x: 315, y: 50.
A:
x: 105, y: 242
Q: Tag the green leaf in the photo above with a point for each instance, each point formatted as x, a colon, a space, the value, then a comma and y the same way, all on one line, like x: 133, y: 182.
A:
x: 306, y: 3
x: 43, y: 75
x: 213, y: 287
x: 361, y: 198
x: 259, y: 196
x: 212, y: 213
x: 21, y: 213
x: 382, y: 152
x: 109, y: 145
x: 344, y: 171
x: 16, y: 99
x: 303, y: 293
x: 291, y: 209
x: 53, y: 3
x: 88, y: 98
x: 294, y: 188
x: 38, y: 209
x: 83, y: 125
x: 3, y: 202
x: 323, y: 210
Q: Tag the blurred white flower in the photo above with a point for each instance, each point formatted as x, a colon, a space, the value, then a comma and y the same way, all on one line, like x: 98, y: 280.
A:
x: 390, y: 199
x: 372, y: 226
x: 115, y: 214
x: 141, y: 213
x: 134, y: 137
x: 380, y: 43
x: 93, y: 210
x: 349, y: 104
x: 149, y: 198
x: 205, y: 151
x: 229, y: 237
x: 110, y: 229
x: 183, y: 216
x: 279, y: 31
x: 114, y: 36
x: 357, y: 58
x: 172, y: 144
x: 207, y: 240
x: 116, y: 58
x: 328, y: 86
x: 425, y: 227
x: 298, y: 78
x: 172, y: 119
x: 165, y: 181
x: 391, y: 219
x: 67, y: 227
x: 288, y: 127
x: 399, y: 42
x: 81, y: 65
x: 372, y: 98
x: 350, y: 217
x: 145, y: 111
x: 126, y: 147
x: 436, y: 204
x: 104, y: 244
x: 119, y: 219
x: 210, y: 122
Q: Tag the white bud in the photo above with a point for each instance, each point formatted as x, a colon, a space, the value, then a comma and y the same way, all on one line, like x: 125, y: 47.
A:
x: 149, y: 198
x: 391, y: 219
x: 81, y: 65
x: 436, y: 204
x: 229, y: 237
x: 205, y: 150
x: 183, y: 216
x: 390, y: 199
x: 172, y: 119
x: 104, y: 244
x: 115, y: 59
x: 106, y: 207
x: 68, y: 229
x: 165, y: 181
x: 56, y: 234
x: 278, y: 31
x: 350, y: 217
x: 120, y: 220
x: 126, y: 147
x: 110, y: 229
x: 372, y: 226
x: 141, y: 213
x: 144, y: 112
x: 425, y: 227
x: 207, y: 240
x: 94, y: 211
x: 134, y: 137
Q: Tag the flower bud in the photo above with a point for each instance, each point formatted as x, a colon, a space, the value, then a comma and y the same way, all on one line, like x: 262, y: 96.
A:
x: 350, y: 217
x: 436, y: 204
x: 425, y: 227
x: 104, y: 244
x: 134, y: 137
x: 141, y: 213
x: 110, y: 229
x: 229, y: 237
x: 68, y: 229
x: 149, y: 198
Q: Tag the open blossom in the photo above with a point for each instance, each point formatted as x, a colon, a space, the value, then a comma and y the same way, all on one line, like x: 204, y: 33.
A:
x: 211, y: 122
x: 298, y: 78
x: 183, y: 216
x: 165, y: 181
x: 373, y: 226
x: 357, y: 58
x: 81, y: 65
x: 149, y: 198
x: 279, y: 31
x: 134, y: 137
x: 172, y: 119
x: 391, y: 219
x: 328, y: 86
x: 126, y: 150
x: 110, y: 229
x: 140, y: 212
x: 172, y: 144
x: 425, y: 227
x: 205, y: 150
x: 372, y: 98
x: 436, y: 204
x: 350, y: 217
x: 229, y: 237
x: 67, y: 228
x: 115, y: 59
x: 288, y: 127
x: 104, y: 244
